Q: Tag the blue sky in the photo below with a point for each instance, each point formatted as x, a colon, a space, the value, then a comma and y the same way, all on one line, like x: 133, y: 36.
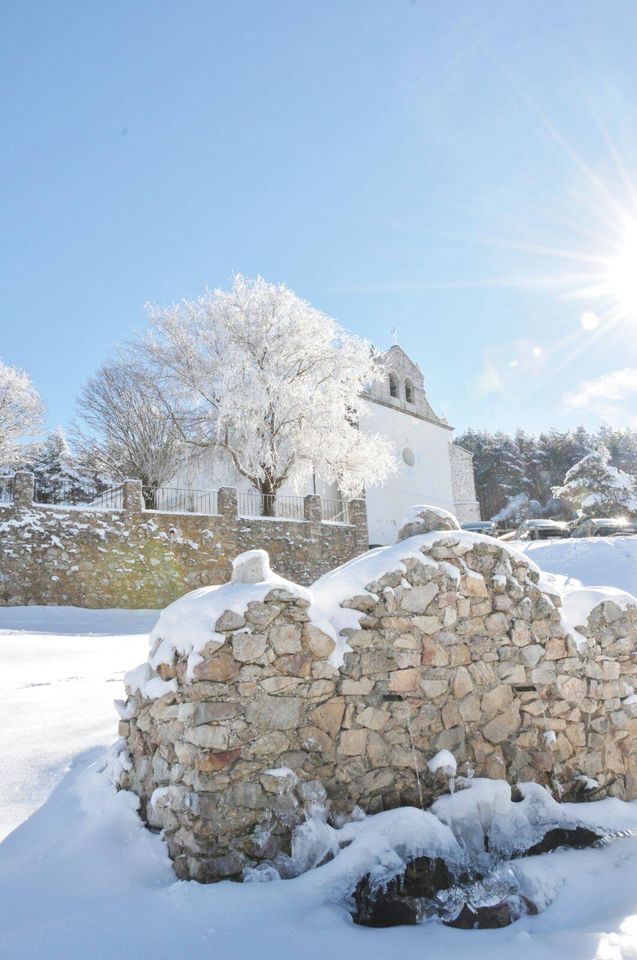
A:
x: 452, y: 169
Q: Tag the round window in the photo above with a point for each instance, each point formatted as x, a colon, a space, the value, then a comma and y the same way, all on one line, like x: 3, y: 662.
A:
x: 408, y: 457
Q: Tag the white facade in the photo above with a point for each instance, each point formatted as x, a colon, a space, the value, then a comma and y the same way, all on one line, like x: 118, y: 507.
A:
x: 399, y: 408
x: 431, y: 469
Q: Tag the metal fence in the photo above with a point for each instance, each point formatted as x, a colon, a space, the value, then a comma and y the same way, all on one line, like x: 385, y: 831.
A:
x: 66, y: 493
x: 255, y: 504
x: 178, y: 500
x: 334, y: 511
x: 6, y: 490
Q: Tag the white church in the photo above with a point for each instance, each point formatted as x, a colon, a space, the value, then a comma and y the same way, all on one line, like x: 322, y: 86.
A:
x: 432, y: 469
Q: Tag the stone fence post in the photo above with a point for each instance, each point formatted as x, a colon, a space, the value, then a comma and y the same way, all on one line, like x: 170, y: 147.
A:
x: 133, y: 496
x: 358, y: 517
x: 227, y: 502
x: 23, y: 483
x: 312, y: 509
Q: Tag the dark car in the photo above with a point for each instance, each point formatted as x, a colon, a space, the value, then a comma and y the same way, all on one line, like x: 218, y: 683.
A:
x: 488, y: 527
x: 541, y: 530
x: 605, y: 527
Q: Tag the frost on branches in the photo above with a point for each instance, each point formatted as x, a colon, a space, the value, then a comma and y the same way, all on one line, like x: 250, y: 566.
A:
x: 57, y: 472
x: 20, y: 414
x: 597, y: 489
x: 275, y: 382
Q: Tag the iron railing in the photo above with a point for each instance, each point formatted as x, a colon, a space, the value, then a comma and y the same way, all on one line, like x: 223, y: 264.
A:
x: 179, y: 500
x: 67, y: 493
x: 255, y: 504
x: 6, y: 490
x: 334, y: 511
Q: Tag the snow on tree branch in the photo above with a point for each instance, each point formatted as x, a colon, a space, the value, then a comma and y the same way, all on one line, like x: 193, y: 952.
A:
x: 20, y: 414
x: 594, y: 487
x: 260, y: 372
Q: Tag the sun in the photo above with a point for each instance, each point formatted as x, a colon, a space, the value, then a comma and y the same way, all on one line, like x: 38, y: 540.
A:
x: 620, y: 277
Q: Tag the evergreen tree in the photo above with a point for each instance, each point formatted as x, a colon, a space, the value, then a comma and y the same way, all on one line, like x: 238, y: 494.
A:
x: 595, y: 488
x: 58, y: 476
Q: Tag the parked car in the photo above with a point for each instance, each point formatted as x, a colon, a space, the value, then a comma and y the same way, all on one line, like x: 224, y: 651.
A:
x: 605, y: 527
x: 541, y: 530
x: 487, y: 527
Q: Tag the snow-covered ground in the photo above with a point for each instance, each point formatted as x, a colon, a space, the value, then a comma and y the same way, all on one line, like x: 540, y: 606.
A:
x: 587, y: 561
x: 81, y: 877
x: 61, y: 668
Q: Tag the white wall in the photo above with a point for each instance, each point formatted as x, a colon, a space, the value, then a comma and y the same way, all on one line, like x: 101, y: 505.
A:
x: 428, y: 481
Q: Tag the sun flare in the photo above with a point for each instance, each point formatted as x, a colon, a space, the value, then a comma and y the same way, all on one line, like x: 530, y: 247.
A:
x: 621, y: 274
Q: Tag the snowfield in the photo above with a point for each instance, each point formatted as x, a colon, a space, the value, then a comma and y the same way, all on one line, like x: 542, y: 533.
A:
x: 61, y: 669
x: 80, y: 876
x: 587, y: 561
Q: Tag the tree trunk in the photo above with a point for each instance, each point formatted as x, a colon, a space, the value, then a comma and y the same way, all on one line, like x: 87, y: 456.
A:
x: 267, y: 490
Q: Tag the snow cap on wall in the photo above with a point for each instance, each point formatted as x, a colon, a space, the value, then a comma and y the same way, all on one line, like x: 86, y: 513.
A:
x: 423, y: 518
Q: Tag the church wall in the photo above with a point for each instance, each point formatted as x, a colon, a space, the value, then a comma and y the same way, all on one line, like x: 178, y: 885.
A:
x: 463, y: 480
x: 427, y: 481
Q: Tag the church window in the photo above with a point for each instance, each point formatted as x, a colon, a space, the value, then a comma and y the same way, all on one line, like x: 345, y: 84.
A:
x: 393, y: 385
x: 409, y: 457
x: 409, y: 391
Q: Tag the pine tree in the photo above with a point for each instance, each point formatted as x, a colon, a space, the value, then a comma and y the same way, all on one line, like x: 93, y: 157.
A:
x: 58, y: 476
x: 595, y: 488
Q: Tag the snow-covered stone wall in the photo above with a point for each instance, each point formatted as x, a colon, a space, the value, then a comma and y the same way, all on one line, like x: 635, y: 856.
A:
x: 143, y: 558
x: 262, y: 700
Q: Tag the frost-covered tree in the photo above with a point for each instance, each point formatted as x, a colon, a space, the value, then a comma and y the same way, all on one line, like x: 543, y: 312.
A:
x: 58, y: 475
x: 20, y: 415
x: 597, y: 489
x: 125, y: 431
x: 276, y: 383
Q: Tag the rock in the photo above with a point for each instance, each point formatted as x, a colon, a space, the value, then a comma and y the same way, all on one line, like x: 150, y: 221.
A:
x: 253, y: 566
x: 294, y: 664
x: 403, y: 681
x: 497, y: 700
x: 248, y: 647
x: 209, y: 711
x: 425, y: 519
x: 503, y: 725
x: 462, y: 683
x: 212, y: 762
x: 317, y: 642
x: 261, y: 614
x: 229, y: 620
x: 274, y: 713
x: 329, y: 715
x: 417, y: 599
x: 406, y: 899
x: 286, y: 638
x: 212, y: 737
x: 490, y: 916
x: 385, y: 909
x: 220, y: 667
x: 373, y: 718
x: 472, y: 585
x: 578, y: 838
x: 352, y: 743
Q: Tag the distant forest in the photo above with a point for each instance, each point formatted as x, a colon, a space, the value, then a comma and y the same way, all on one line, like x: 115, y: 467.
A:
x: 515, y: 474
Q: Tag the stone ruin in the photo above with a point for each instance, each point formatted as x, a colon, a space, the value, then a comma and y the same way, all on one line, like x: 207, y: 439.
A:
x: 263, y: 701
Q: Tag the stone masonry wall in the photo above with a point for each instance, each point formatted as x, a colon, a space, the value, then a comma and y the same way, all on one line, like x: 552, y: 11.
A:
x: 463, y: 482
x: 137, y: 558
x: 457, y: 647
